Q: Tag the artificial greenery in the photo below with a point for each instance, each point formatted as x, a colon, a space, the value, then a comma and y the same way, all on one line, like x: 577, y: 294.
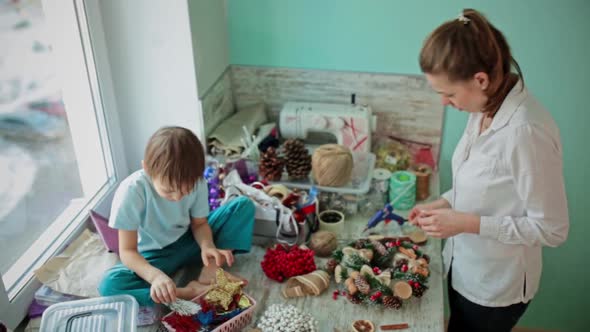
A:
x: 384, y: 262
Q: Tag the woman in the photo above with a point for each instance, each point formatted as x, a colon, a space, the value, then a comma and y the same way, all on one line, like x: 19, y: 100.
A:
x: 507, y: 198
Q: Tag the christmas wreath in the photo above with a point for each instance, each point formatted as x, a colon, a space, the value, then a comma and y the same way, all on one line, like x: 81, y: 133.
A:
x: 380, y: 271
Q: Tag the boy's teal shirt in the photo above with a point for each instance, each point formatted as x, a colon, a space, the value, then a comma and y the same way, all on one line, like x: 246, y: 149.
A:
x: 158, y: 221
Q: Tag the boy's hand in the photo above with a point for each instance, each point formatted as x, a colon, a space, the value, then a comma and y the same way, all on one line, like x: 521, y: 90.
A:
x: 163, y: 289
x: 220, y: 256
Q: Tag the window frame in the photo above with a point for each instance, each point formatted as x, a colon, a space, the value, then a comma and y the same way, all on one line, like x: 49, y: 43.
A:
x: 84, y: 17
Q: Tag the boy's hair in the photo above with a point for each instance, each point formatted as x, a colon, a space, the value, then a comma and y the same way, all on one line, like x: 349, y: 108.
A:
x: 469, y: 44
x: 175, y: 156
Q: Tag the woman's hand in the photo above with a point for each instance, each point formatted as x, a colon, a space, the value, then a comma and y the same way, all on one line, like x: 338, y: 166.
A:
x: 440, y: 203
x: 220, y: 256
x: 417, y: 211
x: 163, y: 289
x: 444, y: 223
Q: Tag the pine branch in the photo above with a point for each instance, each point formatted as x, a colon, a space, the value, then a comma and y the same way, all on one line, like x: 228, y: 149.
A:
x: 409, y: 276
x: 337, y: 255
x: 354, y: 262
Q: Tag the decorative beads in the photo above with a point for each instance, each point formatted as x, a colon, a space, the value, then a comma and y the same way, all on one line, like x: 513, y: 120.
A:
x: 286, y: 318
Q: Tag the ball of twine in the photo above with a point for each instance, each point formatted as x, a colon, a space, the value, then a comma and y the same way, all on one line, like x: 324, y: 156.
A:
x: 323, y: 243
x: 331, y: 165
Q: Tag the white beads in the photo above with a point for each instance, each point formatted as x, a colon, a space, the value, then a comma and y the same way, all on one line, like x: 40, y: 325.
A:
x: 286, y: 318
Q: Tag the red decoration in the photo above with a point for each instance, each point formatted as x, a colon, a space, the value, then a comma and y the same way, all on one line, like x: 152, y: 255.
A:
x: 376, y: 295
x: 390, y: 244
x: 377, y: 270
x: 182, y: 323
x: 404, y: 268
x: 283, y: 262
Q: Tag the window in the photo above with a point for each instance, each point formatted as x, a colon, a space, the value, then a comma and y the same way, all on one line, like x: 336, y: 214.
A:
x: 58, y: 130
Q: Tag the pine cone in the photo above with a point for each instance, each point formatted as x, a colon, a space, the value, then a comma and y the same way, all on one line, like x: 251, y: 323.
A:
x: 271, y: 165
x: 399, y: 263
x: 359, y: 244
x: 362, y: 285
x: 419, y: 291
x: 379, y: 247
x: 426, y: 257
x: 353, y: 299
x: 331, y: 265
x: 392, y: 302
x: 298, y: 159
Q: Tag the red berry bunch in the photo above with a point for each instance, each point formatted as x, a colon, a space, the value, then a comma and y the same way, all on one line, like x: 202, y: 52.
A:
x: 376, y: 295
x: 283, y: 262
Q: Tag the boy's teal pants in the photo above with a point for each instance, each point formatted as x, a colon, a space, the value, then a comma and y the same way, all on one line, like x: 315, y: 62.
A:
x: 232, y: 226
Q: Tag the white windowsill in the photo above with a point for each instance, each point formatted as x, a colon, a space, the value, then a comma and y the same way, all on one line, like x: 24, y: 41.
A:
x: 57, y: 236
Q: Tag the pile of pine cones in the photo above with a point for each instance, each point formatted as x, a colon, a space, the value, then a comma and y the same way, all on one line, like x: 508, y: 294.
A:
x: 298, y: 159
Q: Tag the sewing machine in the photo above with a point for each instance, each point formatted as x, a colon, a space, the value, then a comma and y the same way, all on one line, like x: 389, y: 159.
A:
x: 351, y: 124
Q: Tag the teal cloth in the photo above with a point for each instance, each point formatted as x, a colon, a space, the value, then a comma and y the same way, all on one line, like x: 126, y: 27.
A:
x: 158, y: 221
x: 232, y: 226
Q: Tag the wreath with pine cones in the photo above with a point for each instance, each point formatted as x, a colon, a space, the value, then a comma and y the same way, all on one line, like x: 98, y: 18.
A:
x: 380, y: 271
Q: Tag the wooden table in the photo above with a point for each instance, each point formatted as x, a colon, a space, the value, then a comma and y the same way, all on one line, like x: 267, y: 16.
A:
x: 424, y: 314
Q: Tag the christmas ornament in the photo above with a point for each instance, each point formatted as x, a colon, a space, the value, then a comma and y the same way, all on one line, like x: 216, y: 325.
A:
x: 367, y: 278
x: 223, y: 290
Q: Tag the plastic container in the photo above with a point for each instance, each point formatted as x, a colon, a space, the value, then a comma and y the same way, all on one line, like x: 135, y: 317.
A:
x: 235, y: 324
x: 348, y: 198
x: 47, y: 296
x: 362, y: 172
x: 101, y: 314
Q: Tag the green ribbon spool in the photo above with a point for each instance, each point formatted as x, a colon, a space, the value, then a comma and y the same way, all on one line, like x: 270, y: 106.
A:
x: 398, y: 182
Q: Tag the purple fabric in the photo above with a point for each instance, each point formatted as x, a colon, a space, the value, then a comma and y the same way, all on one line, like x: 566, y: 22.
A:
x: 36, y: 309
x: 110, y: 236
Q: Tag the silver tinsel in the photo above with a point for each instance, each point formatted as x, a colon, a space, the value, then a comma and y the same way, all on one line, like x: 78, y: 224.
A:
x: 286, y: 318
x: 183, y: 307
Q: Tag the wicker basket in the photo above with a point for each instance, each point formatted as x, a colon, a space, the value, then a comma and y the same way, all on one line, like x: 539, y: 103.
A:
x: 235, y: 324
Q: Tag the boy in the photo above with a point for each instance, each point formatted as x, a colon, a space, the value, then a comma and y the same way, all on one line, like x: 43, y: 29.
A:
x: 162, y: 215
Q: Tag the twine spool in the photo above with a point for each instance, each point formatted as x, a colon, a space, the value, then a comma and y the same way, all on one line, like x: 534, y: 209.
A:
x: 423, y: 172
x: 331, y: 165
x: 400, y: 180
x: 381, y: 178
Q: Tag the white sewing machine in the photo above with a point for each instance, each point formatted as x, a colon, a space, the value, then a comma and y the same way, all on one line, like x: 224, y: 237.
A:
x: 350, y: 124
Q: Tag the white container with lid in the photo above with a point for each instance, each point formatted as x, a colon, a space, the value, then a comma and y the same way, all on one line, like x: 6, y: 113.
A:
x: 102, y: 314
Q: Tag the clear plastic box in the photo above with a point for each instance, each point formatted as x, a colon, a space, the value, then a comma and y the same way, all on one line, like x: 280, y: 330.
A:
x: 47, y: 296
x: 360, y: 182
x: 348, y: 198
x: 101, y: 314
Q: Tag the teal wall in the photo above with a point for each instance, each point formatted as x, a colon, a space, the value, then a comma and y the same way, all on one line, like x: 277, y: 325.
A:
x: 549, y: 39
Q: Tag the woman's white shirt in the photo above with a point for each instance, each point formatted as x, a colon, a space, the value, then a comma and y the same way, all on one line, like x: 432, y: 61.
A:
x: 512, y: 176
